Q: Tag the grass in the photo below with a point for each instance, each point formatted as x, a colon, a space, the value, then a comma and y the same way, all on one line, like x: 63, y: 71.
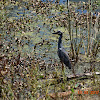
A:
x: 29, y: 66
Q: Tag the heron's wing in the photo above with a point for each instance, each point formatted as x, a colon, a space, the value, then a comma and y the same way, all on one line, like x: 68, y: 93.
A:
x: 65, y: 52
x: 63, y: 55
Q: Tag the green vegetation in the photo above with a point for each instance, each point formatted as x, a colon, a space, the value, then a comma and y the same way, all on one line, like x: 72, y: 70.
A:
x: 29, y: 66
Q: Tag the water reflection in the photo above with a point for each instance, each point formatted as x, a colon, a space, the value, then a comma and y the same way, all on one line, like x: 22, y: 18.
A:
x: 63, y: 1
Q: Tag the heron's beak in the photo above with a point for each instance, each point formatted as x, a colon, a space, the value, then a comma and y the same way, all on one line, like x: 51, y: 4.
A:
x: 55, y: 33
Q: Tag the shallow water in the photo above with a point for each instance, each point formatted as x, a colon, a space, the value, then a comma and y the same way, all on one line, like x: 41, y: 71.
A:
x: 63, y: 1
x: 40, y: 31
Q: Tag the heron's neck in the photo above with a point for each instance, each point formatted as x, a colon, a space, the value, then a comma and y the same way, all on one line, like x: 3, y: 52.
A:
x: 60, y: 42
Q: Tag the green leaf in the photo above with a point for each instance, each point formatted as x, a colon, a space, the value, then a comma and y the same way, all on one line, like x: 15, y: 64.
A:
x: 72, y: 90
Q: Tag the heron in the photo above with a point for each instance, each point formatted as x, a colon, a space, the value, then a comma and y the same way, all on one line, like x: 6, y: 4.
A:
x: 62, y: 53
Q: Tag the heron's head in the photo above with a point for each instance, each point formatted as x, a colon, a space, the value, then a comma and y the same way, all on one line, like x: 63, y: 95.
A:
x: 58, y: 32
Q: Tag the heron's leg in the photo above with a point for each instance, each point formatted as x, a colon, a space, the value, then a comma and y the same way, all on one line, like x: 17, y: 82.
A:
x: 62, y: 66
x: 63, y: 72
x: 73, y: 70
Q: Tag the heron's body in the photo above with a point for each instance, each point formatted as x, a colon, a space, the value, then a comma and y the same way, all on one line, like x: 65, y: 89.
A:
x: 63, y: 55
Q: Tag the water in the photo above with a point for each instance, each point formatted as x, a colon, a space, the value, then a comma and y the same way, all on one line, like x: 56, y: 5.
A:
x: 63, y: 1
x: 44, y: 33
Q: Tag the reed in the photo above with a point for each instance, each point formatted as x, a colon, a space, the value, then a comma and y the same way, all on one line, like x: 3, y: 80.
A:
x: 69, y: 28
x: 76, y: 43
x: 89, y: 26
x: 20, y: 74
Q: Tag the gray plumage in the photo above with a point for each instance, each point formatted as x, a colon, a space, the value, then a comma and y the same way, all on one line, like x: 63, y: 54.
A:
x: 63, y: 55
